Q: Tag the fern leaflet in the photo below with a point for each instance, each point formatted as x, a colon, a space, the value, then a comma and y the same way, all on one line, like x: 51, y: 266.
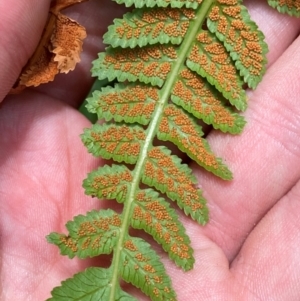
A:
x: 291, y: 7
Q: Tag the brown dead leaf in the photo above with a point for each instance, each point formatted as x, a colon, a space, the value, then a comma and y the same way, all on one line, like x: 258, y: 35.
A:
x: 41, y: 72
x: 58, y: 50
x: 66, y: 43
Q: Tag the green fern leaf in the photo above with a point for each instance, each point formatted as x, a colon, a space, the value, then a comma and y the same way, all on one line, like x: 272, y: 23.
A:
x: 177, y: 127
x: 110, y: 182
x: 209, y: 58
x: 150, y: 64
x: 118, y: 142
x: 173, y: 171
x: 149, y: 26
x: 92, y: 284
x: 130, y: 103
x: 166, y: 174
x: 231, y: 23
x: 98, y: 233
x: 291, y: 7
x: 90, y: 235
x: 142, y: 267
x: 197, y: 97
x: 154, y: 215
x: 177, y: 65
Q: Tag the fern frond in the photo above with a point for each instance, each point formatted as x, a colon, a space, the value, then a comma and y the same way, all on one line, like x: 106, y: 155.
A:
x: 150, y: 211
x: 178, y: 61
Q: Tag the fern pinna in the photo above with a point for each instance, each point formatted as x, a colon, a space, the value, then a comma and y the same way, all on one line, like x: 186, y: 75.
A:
x: 176, y: 61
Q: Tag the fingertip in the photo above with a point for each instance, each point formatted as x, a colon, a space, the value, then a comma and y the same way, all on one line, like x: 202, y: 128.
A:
x: 21, y: 24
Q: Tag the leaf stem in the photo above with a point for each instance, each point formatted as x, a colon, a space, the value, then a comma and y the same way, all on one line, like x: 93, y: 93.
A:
x: 183, y: 50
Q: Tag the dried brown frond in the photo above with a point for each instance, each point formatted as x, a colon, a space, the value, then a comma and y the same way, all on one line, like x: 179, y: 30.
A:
x: 58, y: 50
x: 66, y: 42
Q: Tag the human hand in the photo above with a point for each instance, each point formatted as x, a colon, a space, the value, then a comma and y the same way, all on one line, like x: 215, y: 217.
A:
x: 250, y: 248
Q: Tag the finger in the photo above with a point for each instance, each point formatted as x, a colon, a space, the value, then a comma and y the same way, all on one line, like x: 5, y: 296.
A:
x: 21, y: 25
x: 263, y: 158
x: 95, y: 16
x: 268, y: 266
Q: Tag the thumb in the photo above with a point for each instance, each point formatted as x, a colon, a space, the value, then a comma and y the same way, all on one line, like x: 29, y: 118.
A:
x: 21, y: 25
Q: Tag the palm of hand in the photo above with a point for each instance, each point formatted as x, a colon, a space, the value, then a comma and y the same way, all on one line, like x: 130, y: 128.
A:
x: 43, y: 163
